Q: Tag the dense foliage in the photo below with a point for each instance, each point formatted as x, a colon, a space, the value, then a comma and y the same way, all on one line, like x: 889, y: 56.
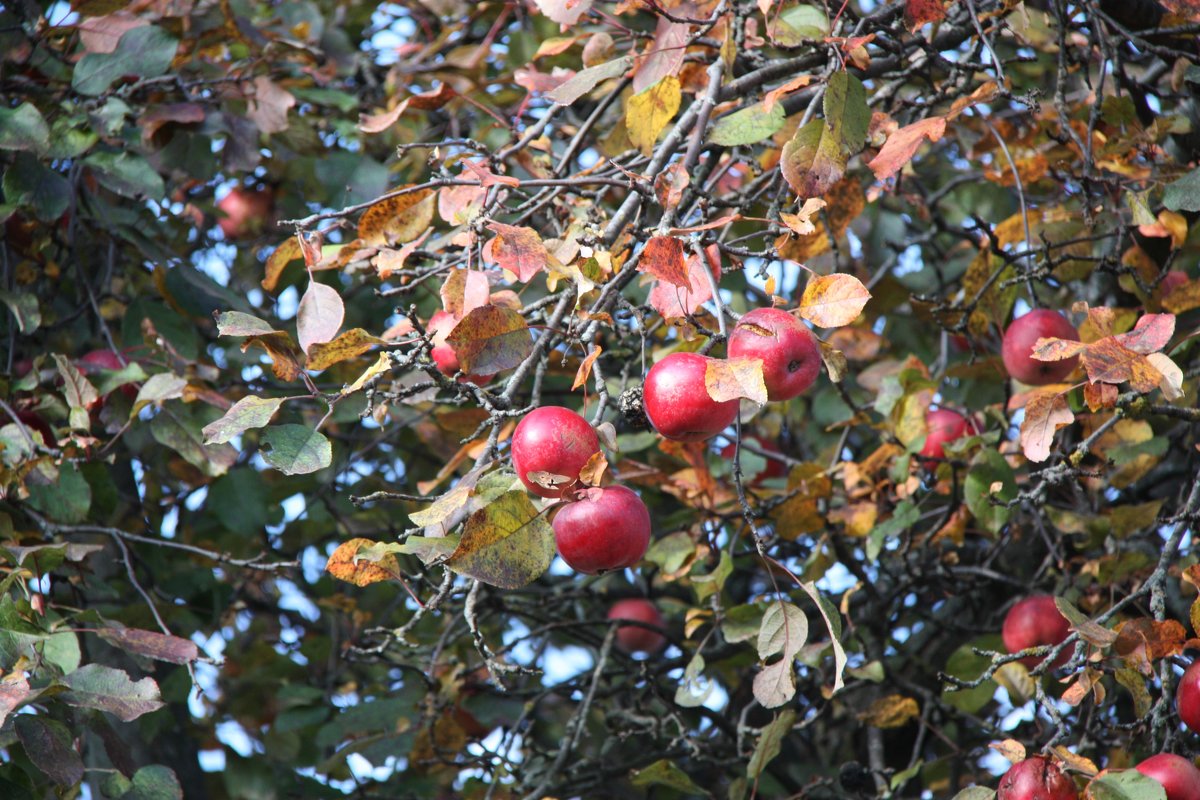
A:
x: 260, y: 531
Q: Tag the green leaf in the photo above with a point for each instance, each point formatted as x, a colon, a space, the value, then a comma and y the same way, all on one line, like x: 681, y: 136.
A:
x: 249, y: 412
x: 178, y: 427
x: 903, y: 518
x: 846, y: 112
x: 145, y: 52
x: 665, y: 773
x: 28, y: 183
x: 747, y: 125
x: 23, y: 128
x: 988, y: 468
x: 976, y: 793
x: 671, y: 551
x: 813, y: 160
x: 770, y: 742
x: 693, y: 687
x: 155, y: 782
x: 1184, y: 194
x: 296, y: 449
x: 507, y: 543
x: 1126, y: 784
x: 66, y: 499
x: 51, y: 747
x: 159, y: 388
x: 833, y: 623
x: 742, y: 623
x: 784, y: 630
x: 126, y: 174
x: 799, y: 24
x: 24, y: 307
x: 713, y: 582
x: 235, y: 323
x: 111, y: 690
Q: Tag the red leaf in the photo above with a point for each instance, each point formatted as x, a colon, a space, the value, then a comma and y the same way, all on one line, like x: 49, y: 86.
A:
x: 1150, y: 334
x: 486, y: 176
x: 673, y: 302
x: 920, y: 12
x: 902, y: 145
x: 663, y: 258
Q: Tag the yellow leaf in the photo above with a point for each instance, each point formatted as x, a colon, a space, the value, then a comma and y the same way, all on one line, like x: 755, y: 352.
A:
x: 647, y: 113
x: 397, y: 219
x: 287, y: 251
x: 343, y: 565
x: 351, y: 344
x: 893, y: 711
x: 734, y: 378
x: 1011, y: 749
x: 378, y: 368
x: 831, y: 301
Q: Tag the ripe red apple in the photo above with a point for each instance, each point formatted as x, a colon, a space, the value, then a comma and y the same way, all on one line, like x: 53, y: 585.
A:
x: 1036, y: 621
x: 554, y: 440
x: 1036, y: 778
x: 944, y: 425
x: 605, y: 529
x: 245, y: 212
x: 790, y: 354
x: 631, y: 638
x: 773, y: 468
x: 1187, y: 697
x: 439, y: 327
x: 1178, y: 776
x: 1020, y: 338
x: 677, y: 402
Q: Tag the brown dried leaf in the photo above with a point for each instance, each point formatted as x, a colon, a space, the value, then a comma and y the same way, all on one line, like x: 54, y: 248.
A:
x: 1108, y: 361
x: 585, y: 367
x: 592, y: 473
x: 1045, y: 413
x: 288, y: 251
x: 801, y: 223
x: 1011, y: 749
x: 922, y: 12
x: 378, y: 123
x: 902, y: 145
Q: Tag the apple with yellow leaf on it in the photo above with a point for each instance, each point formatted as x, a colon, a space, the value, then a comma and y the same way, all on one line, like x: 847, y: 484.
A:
x: 1022, y: 336
x: 677, y: 402
x: 550, y: 446
x: 788, y: 349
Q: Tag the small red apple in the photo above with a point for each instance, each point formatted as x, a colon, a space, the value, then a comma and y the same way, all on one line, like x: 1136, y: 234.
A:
x: 1020, y: 338
x: 553, y: 440
x: 677, y: 402
x: 1036, y: 778
x: 1187, y: 697
x: 773, y: 469
x: 1178, y: 776
x: 944, y: 425
x: 1036, y: 621
x: 245, y: 212
x: 631, y: 638
x: 605, y: 529
x: 103, y: 361
x: 790, y: 354
x: 440, y: 326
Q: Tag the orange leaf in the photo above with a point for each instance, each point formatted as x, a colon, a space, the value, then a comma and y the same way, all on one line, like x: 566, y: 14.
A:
x: 464, y: 291
x: 670, y: 184
x: 1045, y: 413
x: 831, y: 301
x: 490, y: 339
x: 585, y: 367
x: 673, y: 302
x: 734, y: 378
x: 519, y: 250
x: 1045, y: 349
x: 772, y: 97
x: 662, y: 257
x: 1107, y: 361
x: 801, y: 223
x: 921, y: 12
x: 343, y: 566
x: 902, y: 145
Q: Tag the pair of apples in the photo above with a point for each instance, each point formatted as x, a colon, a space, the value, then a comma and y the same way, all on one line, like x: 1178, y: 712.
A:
x: 1039, y: 778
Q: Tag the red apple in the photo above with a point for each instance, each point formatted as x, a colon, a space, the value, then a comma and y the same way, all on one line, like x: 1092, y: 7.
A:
x: 943, y: 425
x: 773, y: 469
x: 1036, y: 621
x: 605, y: 529
x: 1178, y: 776
x: 245, y: 212
x: 553, y: 440
x: 1187, y: 697
x: 790, y: 354
x: 440, y: 326
x: 677, y: 402
x: 98, y: 361
x: 633, y: 639
x: 1020, y: 338
x: 1036, y: 778
x: 34, y: 422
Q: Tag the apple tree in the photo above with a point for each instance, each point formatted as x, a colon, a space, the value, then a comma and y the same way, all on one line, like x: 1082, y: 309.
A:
x: 569, y: 398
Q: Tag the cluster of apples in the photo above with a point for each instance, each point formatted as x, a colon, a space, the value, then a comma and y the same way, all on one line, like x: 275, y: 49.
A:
x: 597, y: 529
x: 1036, y: 621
